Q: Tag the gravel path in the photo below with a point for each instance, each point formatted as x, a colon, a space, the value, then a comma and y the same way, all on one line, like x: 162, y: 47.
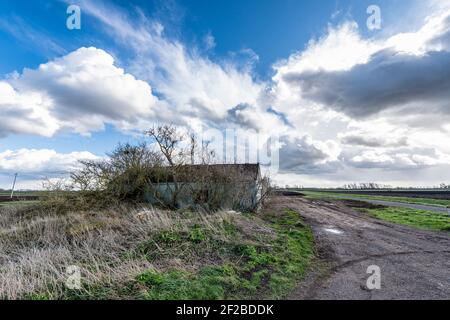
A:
x: 414, y: 264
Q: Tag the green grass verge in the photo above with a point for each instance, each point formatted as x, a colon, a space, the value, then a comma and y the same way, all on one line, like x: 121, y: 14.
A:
x: 17, y: 203
x: 423, y: 201
x: 267, y: 267
x: 411, y: 217
x: 21, y: 193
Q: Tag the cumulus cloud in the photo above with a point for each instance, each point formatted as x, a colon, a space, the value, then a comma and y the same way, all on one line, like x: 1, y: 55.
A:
x: 41, y: 160
x: 25, y: 112
x: 81, y: 91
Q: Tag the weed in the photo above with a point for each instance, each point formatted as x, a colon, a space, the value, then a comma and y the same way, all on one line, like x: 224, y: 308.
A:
x: 197, y: 235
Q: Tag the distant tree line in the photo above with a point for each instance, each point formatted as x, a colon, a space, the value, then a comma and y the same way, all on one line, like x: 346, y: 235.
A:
x: 366, y: 186
x: 377, y: 186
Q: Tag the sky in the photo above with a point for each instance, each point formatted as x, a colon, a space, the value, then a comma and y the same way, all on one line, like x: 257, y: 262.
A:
x: 350, y: 94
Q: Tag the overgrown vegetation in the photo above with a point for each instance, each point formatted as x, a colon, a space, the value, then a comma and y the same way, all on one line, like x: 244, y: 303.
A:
x: 102, y: 222
x: 137, y: 252
x: 411, y: 217
x: 162, y: 173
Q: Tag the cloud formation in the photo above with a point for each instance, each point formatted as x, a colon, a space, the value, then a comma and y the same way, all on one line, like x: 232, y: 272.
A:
x: 408, y: 72
x: 81, y: 91
x: 196, y: 87
x: 41, y: 161
x: 389, y: 80
x: 304, y: 155
x: 365, y: 140
x: 384, y: 102
x: 344, y: 103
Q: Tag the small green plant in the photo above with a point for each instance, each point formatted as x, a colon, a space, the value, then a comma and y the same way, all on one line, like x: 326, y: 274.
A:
x: 230, y: 229
x: 169, y: 237
x: 151, y: 278
x: 197, y: 235
x: 38, y: 296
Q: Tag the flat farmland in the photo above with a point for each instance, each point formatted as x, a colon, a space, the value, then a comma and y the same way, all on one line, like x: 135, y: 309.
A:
x: 433, y: 198
x: 429, y: 194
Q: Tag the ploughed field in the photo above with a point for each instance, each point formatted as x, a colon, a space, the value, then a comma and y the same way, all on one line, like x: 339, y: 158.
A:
x: 412, y: 197
x: 430, y: 194
x: 5, y: 198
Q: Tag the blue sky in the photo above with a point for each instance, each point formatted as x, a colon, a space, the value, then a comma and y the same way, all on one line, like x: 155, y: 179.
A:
x: 272, y: 30
x: 289, y: 56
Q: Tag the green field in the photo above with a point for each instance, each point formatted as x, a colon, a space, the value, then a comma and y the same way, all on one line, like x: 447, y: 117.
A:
x: 411, y: 217
x: 17, y: 203
x: 329, y: 195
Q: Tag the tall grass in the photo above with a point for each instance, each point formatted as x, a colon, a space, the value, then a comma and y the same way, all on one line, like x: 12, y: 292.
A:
x: 38, y: 246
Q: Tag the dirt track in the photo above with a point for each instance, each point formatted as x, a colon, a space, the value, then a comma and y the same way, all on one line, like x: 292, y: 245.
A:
x: 414, y: 264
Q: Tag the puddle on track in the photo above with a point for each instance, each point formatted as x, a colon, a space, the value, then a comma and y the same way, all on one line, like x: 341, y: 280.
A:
x: 333, y: 231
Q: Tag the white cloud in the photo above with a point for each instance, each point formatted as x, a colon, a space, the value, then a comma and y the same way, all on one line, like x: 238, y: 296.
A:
x: 25, y: 112
x: 81, y: 91
x: 41, y: 161
x: 339, y: 50
x: 399, y: 160
x: 35, y: 165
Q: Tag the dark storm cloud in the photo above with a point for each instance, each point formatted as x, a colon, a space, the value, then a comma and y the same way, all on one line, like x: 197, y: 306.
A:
x: 300, y: 155
x: 236, y: 116
x: 373, y: 142
x: 388, y: 80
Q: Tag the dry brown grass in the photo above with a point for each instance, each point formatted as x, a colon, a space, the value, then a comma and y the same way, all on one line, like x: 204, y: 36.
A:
x: 37, y: 245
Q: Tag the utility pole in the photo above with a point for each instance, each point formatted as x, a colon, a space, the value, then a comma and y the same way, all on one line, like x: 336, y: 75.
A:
x: 14, y: 184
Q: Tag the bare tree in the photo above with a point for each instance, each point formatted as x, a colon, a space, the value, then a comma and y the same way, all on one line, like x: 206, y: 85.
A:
x: 193, y: 147
x: 168, y: 138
